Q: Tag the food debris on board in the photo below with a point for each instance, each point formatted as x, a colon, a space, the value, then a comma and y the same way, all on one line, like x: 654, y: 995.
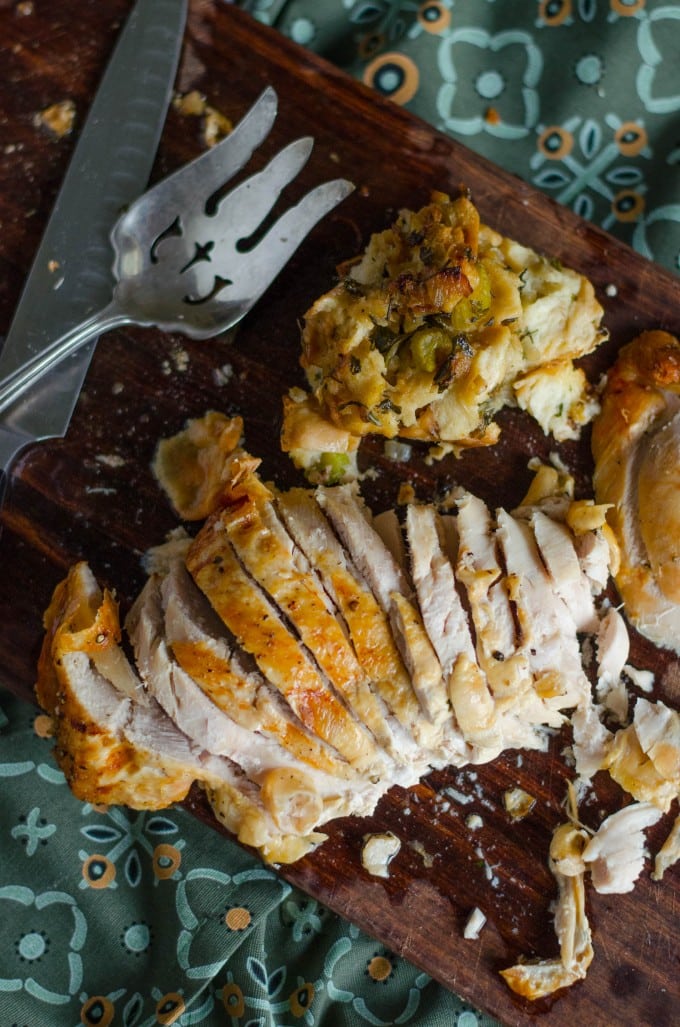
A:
x: 299, y: 656
x: 474, y: 924
x: 378, y: 851
x: 58, y: 118
x: 215, y: 125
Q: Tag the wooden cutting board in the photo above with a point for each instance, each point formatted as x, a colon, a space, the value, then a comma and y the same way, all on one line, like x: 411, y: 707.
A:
x: 92, y: 496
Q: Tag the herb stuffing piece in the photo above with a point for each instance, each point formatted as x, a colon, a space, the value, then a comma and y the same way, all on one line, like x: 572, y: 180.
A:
x: 440, y: 323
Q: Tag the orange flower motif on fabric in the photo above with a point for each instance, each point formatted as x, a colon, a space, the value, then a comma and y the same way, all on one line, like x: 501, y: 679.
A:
x: 98, y: 871
x: 631, y: 138
x: 433, y: 16
x: 555, y: 12
x: 380, y: 968
x: 394, y: 75
x: 238, y: 918
x: 301, y: 999
x: 233, y: 1000
x: 97, y: 1011
x: 166, y: 861
x: 169, y: 1008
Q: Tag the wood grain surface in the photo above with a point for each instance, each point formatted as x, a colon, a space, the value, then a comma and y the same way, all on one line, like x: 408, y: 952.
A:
x: 91, y: 495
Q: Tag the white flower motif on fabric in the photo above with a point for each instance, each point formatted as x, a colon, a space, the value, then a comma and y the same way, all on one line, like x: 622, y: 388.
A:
x: 45, y: 934
x: 656, y: 223
x: 516, y: 78
x: 656, y: 34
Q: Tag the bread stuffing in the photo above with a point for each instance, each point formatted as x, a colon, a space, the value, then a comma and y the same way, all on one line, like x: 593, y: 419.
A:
x: 436, y: 326
x: 298, y: 657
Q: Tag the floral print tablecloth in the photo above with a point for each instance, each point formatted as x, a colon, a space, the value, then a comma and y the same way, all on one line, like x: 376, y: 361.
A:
x: 116, y: 917
x: 579, y: 97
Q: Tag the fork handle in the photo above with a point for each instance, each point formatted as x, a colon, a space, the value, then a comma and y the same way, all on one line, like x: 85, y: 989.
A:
x: 18, y: 382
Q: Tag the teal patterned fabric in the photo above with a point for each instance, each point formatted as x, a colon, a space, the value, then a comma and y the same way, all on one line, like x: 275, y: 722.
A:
x: 136, y: 919
x: 579, y: 97
x: 115, y: 917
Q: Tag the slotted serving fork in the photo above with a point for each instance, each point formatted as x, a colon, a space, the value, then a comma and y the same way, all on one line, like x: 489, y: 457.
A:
x: 183, y: 259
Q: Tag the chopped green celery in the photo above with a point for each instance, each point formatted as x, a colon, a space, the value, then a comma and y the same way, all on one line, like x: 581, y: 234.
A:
x: 474, y: 305
x: 332, y: 467
x: 427, y: 347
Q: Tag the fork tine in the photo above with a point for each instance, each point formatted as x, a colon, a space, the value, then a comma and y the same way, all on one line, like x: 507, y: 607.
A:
x: 247, y: 205
x: 212, y: 169
x: 283, y: 239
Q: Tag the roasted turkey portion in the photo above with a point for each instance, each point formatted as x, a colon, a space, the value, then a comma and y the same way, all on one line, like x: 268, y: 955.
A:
x: 636, y: 446
x: 299, y: 656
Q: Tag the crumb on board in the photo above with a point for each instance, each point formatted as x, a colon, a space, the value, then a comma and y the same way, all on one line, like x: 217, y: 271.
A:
x: 427, y: 857
x: 110, y: 460
x: 378, y: 851
x: 407, y: 494
x: 518, y: 803
x: 215, y: 125
x: 223, y: 375
x: 58, y: 118
x: 474, y: 924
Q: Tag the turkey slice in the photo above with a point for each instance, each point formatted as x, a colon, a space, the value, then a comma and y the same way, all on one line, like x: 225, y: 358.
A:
x: 116, y: 750
x: 249, y: 519
x: 260, y: 629
x: 201, y: 646
x: 351, y: 520
x: 547, y: 626
x: 365, y: 620
x: 261, y: 758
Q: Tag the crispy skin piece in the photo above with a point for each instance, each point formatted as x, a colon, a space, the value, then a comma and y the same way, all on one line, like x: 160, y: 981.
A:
x: 98, y: 761
x: 190, y: 465
x: 636, y: 447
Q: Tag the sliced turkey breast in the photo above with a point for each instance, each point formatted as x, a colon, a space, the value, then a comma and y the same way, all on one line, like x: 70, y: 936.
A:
x: 447, y: 625
x: 546, y: 623
x: 556, y: 546
x: 479, y: 569
x: 201, y: 646
x: 260, y: 629
x: 365, y: 620
x: 432, y: 574
x: 260, y: 757
x: 268, y: 553
x: 351, y: 520
x: 504, y: 665
x: 636, y: 447
x: 111, y: 747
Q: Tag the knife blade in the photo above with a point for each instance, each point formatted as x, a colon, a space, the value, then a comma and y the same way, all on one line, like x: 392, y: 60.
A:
x: 72, y: 273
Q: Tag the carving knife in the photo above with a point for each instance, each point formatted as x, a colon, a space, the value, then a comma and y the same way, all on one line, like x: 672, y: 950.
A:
x: 72, y: 272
